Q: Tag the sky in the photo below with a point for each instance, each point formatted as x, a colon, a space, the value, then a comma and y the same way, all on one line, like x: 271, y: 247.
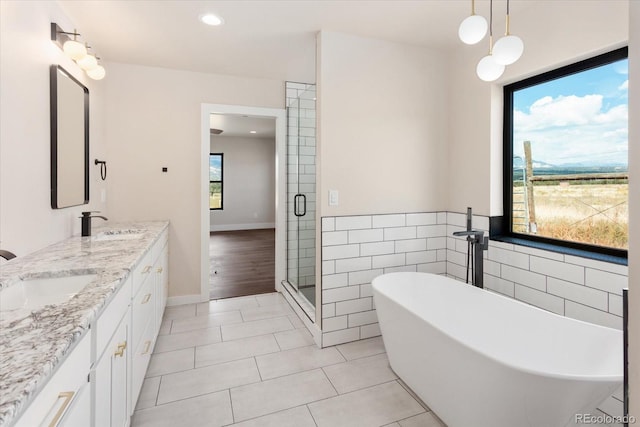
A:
x: 577, y: 119
x: 215, y: 167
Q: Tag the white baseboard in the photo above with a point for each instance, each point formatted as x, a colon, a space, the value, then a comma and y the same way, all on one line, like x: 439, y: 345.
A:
x: 184, y: 299
x: 235, y: 227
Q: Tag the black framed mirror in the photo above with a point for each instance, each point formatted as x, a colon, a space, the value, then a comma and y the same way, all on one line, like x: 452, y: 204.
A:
x: 69, y: 140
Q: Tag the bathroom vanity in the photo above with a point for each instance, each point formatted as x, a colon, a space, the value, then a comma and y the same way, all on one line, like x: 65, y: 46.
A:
x: 78, y: 323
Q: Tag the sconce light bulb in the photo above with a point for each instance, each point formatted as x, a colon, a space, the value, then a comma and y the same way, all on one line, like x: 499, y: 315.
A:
x: 88, y: 63
x: 97, y: 73
x: 74, y: 50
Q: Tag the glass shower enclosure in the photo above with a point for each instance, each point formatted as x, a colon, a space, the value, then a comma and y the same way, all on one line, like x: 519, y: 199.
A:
x: 301, y: 191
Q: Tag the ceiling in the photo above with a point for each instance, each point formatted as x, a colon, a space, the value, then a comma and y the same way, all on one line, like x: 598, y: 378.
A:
x: 261, y: 38
x: 240, y: 126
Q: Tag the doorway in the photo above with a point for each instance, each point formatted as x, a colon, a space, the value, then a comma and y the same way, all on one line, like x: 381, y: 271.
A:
x: 242, y: 205
x: 278, y: 199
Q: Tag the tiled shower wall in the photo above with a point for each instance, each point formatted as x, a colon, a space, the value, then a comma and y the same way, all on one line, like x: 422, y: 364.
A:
x: 355, y: 249
x: 301, y: 170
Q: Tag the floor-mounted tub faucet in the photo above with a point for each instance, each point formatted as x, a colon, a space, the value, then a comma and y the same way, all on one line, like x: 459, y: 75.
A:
x: 86, y: 222
x: 477, y: 243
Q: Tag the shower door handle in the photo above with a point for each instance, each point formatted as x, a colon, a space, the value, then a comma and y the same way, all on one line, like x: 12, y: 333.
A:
x: 296, y: 204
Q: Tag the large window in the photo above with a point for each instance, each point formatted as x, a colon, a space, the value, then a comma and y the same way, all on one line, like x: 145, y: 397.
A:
x: 215, y: 181
x: 566, y: 157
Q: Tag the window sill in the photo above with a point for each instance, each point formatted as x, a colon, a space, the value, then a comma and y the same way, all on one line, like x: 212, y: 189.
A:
x: 562, y: 250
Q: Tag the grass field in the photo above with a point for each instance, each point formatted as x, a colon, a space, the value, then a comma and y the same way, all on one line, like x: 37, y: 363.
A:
x: 595, y: 214
x: 215, y: 201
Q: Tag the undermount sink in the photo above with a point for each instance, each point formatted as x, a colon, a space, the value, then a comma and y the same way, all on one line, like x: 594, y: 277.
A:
x: 125, y: 234
x: 34, y: 293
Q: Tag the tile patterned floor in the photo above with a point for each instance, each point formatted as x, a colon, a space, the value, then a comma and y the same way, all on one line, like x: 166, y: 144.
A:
x: 249, y: 361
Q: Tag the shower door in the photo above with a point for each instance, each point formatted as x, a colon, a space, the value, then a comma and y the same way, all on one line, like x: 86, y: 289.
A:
x: 301, y: 189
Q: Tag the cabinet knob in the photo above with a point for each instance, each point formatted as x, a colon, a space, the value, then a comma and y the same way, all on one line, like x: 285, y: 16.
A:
x: 120, y: 351
x: 146, y: 299
x: 147, y: 269
x: 159, y: 270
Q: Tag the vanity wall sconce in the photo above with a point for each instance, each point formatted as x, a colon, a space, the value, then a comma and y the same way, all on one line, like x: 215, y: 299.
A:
x: 77, y: 51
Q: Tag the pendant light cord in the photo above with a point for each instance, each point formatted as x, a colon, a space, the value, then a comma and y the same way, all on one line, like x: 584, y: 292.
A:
x: 490, y: 27
x: 506, y: 33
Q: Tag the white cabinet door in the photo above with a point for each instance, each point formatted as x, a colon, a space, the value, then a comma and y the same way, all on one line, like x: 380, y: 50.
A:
x: 162, y: 285
x: 140, y: 361
x: 110, y: 380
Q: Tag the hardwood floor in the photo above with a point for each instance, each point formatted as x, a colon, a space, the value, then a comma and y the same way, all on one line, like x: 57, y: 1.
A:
x: 241, y: 263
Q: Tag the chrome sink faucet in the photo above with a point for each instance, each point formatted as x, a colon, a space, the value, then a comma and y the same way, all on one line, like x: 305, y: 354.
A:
x: 86, y: 222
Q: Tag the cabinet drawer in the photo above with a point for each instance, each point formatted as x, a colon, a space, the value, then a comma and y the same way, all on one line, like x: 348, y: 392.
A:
x: 140, y: 362
x: 142, y: 272
x: 142, y: 310
x: 104, y: 327
x: 79, y: 412
x: 59, y: 395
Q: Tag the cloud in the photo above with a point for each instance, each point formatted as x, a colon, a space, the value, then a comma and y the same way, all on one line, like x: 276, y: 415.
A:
x: 561, y: 111
x: 624, y: 86
x: 214, y: 172
x: 573, y: 129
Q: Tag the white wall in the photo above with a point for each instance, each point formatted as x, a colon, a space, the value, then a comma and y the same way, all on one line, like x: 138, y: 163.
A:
x: 27, y: 222
x: 634, y: 205
x: 153, y: 120
x: 570, y: 33
x: 249, y: 183
x: 383, y: 109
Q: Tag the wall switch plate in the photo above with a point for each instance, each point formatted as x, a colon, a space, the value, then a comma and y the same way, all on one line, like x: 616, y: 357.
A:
x: 333, y: 197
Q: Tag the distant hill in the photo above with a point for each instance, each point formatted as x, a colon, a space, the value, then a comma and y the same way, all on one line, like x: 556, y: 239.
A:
x: 542, y: 168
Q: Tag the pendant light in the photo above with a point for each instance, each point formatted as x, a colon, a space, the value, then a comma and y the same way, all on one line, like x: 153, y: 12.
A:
x: 473, y: 28
x: 509, y: 48
x: 488, y: 69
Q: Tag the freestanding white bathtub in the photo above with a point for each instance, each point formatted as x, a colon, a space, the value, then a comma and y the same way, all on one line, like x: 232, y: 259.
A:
x: 478, y: 359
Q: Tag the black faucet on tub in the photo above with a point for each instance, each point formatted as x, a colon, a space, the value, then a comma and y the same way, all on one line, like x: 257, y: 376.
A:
x: 477, y: 242
x: 86, y: 222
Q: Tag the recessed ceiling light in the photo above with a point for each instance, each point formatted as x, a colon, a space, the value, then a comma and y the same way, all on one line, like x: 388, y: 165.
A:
x: 253, y: 131
x: 211, y: 19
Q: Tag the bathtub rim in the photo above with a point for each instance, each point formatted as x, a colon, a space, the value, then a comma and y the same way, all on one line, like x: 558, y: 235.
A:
x: 537, y: 372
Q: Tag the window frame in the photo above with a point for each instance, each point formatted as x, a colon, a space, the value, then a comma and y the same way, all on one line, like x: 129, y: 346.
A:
x: 505, y: 228
x: 221, y: 182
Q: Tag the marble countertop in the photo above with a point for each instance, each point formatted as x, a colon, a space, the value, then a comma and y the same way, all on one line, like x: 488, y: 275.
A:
x: 34, y: 342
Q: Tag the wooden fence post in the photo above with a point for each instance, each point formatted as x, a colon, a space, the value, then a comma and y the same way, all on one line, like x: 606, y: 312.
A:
x: 531, y: 207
